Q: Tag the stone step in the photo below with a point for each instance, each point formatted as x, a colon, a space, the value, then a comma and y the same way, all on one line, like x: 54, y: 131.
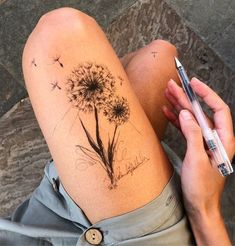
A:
x: 213, y: 21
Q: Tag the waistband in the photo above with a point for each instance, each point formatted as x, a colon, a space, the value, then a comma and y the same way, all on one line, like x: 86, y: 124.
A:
x: 152, y: 217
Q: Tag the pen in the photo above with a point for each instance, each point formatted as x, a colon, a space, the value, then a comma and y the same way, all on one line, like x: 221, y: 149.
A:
x: 219, y: 156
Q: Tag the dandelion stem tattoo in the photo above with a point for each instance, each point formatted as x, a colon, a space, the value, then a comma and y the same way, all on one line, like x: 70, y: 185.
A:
x: 91, y: 89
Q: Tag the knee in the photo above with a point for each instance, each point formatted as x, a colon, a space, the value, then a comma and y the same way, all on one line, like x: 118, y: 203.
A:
x: 64, y: 16
x: 57, y: 25
x: 164, y: 45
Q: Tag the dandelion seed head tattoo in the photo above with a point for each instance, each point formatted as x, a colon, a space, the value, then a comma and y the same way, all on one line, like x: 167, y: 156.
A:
x: 117, y: 111
x: 91, y: 88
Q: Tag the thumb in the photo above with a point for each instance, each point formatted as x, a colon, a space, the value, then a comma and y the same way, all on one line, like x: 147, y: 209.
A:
x: 192, y: 132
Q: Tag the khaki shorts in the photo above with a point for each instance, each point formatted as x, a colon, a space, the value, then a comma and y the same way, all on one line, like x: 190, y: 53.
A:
x: 50, y: 217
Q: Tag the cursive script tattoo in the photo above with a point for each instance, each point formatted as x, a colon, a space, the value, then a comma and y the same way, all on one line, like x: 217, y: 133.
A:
x: 131, y: 166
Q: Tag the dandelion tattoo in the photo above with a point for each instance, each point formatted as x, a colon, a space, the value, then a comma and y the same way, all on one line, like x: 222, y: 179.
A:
x: 91, y: 89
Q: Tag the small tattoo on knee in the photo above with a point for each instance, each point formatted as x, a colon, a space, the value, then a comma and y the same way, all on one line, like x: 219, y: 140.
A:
x: 154, y: 53
x: 55, y: 85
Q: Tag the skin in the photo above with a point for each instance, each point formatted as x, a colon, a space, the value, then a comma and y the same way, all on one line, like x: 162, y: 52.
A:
x: 156, y: 74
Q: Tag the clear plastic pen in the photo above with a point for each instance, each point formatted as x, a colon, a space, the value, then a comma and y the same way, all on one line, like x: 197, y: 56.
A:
x: 219, y: 156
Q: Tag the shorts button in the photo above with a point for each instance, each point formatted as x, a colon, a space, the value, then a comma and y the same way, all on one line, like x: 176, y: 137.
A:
x: 93, y: 236
x: 55, y: 185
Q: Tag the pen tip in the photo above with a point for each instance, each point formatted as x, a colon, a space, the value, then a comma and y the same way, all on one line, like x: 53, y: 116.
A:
x: 177, y: 63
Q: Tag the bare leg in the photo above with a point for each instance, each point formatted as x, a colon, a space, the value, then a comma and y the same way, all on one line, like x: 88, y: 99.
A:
x: 149, y: 69
x: 104, y: 147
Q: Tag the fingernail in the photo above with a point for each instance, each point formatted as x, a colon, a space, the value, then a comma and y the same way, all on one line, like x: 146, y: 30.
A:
x: 185, y: 115
x: 164, y: 108
x: 171, y: 81
x: 195, y: 79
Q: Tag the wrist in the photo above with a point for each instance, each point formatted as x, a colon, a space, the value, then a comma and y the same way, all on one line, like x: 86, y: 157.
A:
x: 208, y: 227
x: 204, y: 217
x: 204, y: 212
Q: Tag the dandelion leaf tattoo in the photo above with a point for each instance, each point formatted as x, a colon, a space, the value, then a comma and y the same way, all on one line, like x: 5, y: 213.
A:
x: 91, y: 88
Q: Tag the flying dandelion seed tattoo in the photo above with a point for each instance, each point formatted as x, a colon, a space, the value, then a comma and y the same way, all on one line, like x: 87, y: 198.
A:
x: 57, y: 59
x: 55, y: 85
x: 33, y: 63
x: 91, y: 89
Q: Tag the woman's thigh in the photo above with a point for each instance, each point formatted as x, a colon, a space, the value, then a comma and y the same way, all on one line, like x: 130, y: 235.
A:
x: 104, y: 147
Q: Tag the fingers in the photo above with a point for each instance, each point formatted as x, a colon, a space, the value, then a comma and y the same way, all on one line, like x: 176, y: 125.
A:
x: 172, y: 117
x: 173, y: 101
x: 179, y: 95
x: 222, y: 115
x: 208, y: 95
x: 192, y: 133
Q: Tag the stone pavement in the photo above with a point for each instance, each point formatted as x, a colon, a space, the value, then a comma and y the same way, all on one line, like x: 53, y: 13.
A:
x: 129, y: 25
x: 214, y: 22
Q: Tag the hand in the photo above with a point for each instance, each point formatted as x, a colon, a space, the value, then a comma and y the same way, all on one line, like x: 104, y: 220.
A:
x: 202, y: 185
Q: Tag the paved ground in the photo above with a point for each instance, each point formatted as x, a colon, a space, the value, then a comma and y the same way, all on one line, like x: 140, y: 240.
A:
x: 23, y: 151
x: 213, y: 21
